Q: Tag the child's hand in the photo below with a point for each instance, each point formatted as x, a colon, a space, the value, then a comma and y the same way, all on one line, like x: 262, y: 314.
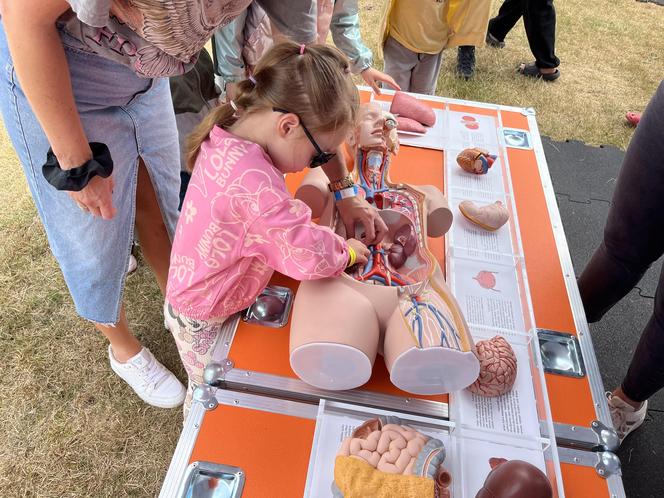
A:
x: 361, y: 251
x: 372, y: 76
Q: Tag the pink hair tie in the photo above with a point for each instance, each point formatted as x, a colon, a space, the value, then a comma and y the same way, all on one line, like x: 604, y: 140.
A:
x: 253, y: 80
x: 302, y: 47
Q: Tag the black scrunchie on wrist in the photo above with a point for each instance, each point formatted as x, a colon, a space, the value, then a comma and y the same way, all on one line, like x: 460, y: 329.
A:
x: 75, y: 179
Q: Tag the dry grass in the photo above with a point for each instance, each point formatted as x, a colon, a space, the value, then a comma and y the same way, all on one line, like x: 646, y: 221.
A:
x: 71, y: 429
x: 611, y: 63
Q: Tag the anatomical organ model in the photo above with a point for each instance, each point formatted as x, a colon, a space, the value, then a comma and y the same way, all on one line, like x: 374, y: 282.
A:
x: 385, y: 459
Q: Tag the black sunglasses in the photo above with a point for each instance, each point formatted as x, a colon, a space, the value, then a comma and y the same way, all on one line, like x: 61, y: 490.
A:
x: 321, y: 157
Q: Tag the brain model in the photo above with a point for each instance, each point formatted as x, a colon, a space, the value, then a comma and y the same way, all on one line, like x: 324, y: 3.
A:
x: 383, y: 457
x: 475, y: 160
x: 497, y: 367
x: 409, y: 107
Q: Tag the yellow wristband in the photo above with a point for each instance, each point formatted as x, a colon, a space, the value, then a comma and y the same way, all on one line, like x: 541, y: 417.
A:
x: 352, y: 257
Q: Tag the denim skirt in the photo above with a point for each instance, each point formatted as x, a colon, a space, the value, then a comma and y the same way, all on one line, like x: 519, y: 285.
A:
x: 134, y: 117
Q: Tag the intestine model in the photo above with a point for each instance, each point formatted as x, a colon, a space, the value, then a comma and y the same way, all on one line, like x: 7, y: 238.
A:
x: 397, y: 304
x: 385, y: 458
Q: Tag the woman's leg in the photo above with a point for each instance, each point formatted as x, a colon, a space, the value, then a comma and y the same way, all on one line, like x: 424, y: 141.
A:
x: 124, y: 344
x: 633, y: 235
x: 158, y: 182
x: 152, y: 233
x: 645, y: 375
x: 633, y: 239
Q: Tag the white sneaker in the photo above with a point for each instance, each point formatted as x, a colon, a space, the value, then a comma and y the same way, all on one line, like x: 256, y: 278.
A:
x: 625, y: 417
x: 152, y: 381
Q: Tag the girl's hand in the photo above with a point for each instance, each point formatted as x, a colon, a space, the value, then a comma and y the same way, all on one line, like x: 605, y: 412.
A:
x: 96, y: 197
x: 372, y: 76
x: 357, y: 210
x: 361, y: 251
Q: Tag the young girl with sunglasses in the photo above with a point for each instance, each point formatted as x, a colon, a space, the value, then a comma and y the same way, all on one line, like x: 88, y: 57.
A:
x: 238, y: 222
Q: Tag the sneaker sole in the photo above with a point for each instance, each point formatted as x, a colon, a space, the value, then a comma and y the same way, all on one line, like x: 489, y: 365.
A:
x: 632, y: 429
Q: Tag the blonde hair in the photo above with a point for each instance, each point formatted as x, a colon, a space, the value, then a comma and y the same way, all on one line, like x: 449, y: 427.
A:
x: 315, y: 84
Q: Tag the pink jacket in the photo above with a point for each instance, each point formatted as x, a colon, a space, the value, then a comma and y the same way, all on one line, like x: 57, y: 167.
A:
x: 239, y: 224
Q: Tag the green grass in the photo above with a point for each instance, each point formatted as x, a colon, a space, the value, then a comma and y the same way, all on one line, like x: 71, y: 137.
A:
x: 72, y: 429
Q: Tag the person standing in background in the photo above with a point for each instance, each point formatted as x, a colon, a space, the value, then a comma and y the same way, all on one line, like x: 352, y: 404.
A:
x: 416, y: 32
x: 539, y: 19
x: 238, y: 46
x: 633, y: 240
x: 468, y: 21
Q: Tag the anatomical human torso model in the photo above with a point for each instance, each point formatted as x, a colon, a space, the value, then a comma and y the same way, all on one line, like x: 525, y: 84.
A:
x: 398, y: 303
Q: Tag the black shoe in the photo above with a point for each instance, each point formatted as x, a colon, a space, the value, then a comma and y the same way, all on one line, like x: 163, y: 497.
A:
x: 466, y: 61
x: 494, y: 42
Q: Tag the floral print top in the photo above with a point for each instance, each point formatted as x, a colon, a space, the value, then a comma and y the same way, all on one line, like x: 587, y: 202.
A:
x: 153, y: 37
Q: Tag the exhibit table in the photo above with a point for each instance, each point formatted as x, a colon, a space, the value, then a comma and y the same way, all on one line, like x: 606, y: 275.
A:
x: 258, y: 431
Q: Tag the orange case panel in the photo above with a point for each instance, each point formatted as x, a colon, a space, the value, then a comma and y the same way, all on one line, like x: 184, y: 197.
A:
x: 272, y: 449
x: 547, y: 286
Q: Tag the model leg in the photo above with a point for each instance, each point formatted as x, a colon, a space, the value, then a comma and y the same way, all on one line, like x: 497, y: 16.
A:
x: 334, y: 335
x: 428, y: 349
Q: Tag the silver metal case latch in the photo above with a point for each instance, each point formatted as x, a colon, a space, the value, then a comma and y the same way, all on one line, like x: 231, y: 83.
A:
x: 561, y: 353
x: 607, y: 437
x: 205, y: 395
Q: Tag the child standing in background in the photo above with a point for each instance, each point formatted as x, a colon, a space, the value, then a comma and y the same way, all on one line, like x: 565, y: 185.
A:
x: 342, y: 19
x: 415, y: 33
x: 239, y: 44
x: 239, y: 223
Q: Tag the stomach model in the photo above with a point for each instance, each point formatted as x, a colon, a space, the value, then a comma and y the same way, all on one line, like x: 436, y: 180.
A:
x: 398, y: 304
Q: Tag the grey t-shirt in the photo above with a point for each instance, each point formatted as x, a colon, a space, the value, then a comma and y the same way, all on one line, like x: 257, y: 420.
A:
x: 153, y: 37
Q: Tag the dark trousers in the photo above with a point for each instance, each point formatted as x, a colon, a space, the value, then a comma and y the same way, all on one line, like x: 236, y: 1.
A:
x: 633, y: 240
x: 539, y: 18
